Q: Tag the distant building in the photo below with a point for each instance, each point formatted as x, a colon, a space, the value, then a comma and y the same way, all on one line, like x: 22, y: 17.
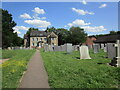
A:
x: 103, y: 40
x: 40, y: 38
x: 90, y: 41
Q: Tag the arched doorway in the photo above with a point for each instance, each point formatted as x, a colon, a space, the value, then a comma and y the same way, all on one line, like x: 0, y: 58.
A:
x: 39, y: 44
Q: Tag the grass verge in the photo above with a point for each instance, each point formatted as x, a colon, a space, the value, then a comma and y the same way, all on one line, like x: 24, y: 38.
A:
x: 12, y: 70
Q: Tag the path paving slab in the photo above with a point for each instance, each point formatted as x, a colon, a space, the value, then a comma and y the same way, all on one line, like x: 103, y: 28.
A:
x: 36, y: 75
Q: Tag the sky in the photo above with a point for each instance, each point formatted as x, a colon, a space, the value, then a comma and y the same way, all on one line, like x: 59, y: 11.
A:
x: 94, y: 17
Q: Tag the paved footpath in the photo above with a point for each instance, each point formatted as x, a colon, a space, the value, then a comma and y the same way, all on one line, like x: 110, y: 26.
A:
x: 35, y: 76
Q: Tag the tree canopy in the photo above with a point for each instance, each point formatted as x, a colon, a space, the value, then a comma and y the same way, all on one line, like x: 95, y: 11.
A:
x: 9, y: 38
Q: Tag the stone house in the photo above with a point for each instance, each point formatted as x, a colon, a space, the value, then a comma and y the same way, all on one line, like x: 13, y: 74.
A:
x: 40, y: 38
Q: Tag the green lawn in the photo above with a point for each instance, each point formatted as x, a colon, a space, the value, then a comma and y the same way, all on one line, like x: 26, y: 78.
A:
x: 66, y: 71
x: 13, y: 69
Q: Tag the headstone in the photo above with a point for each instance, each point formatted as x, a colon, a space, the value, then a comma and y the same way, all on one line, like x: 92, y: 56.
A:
x: 9, y: 48
x: 95, y: 48
x: 116, y: 60
x: 63, y: 48
x: 105, y: 49
x: 111, y: 50
x: 90, y: 47
x: 46, y: 48
x: 102, y: 46
x: 50, y: 48
x: 69, y: 48
x: 84, y: 52
x: 56, y: 48
x: 76, y: 47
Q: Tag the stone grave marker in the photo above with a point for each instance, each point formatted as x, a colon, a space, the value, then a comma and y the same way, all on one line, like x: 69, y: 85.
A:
x: 84, y: 52
x: 102, y: 46
x: 63, y: 48
x: 46, y: 48
x: 50, y: 48
x: 56, y: 48
x: 69, y: 48
x: 96, y: 48
x: 116, y: 60
x: 111, y: 50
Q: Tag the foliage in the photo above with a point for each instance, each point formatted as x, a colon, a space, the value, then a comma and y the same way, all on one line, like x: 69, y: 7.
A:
x: 31, y: 29
x: 74, y: 35
x: 9, y: 38
x: 66, y: 71
x: 13, y: 69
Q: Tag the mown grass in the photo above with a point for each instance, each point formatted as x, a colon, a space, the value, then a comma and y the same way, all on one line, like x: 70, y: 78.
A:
x: 13, y: 69
x: 66, y: 71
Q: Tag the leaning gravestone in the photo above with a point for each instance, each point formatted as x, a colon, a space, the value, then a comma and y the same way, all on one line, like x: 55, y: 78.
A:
x: 111, y: 50
x: 116, y: 60
x: 69, y: 48
x: 95, y: 48
x: 84, y: 52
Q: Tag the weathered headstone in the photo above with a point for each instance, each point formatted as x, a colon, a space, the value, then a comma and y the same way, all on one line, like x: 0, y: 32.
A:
x: 69, y: 48
x: 105, y: 49
x: 95, y: 48
x: 63, y: 48
x: 116, y: 60
x: 111, y: 50
x: 84, y: 52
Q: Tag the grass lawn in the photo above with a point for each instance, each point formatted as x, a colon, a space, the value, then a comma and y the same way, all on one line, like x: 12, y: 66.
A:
x: 13, y: 69
x: 66, y: 71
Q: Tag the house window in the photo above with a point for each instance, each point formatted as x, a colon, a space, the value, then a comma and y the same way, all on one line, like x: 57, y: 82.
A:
x: 32, y: 44
x: 52, y: 38
x: 40, y: 39
x: 45, y: 39
x: 32, y: 39
x: 36, y: 39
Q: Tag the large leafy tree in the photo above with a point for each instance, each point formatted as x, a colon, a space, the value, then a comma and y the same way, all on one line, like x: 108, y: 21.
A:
x: 9, y: 38
x: 76, y: 35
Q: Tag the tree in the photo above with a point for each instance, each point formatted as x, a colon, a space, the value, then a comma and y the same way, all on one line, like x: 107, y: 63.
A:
x: 9, y: 38
x: 76, y: 35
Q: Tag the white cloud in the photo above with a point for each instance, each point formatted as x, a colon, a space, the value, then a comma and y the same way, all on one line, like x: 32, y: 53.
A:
x: 82, y: 12
x: 38, y: 23
x: 18, y: 28
x: 84, y: 2
x: 38, y: 10
x: 78, y: 22
x: 25, y: 16
x: 94, y: 29
x: 103, y: 5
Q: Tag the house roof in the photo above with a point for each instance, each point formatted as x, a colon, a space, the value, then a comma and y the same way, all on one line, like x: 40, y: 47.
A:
x: 39, y: 33
x: 42, y: 34
x: 108, y: 38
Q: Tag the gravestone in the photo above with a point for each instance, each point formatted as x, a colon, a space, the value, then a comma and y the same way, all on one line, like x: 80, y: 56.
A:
x: 76, y: 47
x: 63, y: 48
x: 46, y: 48
x: 116, y: 60
x: 50, y: 48
x: 90, y: 47
x: 69, y: 48
x: 105, y: 49
x: 56, y: 48
x: 111, y: 50
x: 84, y: 52
x: 95, y: 48
x: 102, y: 46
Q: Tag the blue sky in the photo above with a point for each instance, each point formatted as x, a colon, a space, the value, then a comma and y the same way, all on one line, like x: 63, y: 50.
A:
x: 94, y: 17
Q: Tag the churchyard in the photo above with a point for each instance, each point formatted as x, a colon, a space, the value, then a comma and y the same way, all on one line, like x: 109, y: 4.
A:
x: 67, y: 66
x: 68, y: 71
